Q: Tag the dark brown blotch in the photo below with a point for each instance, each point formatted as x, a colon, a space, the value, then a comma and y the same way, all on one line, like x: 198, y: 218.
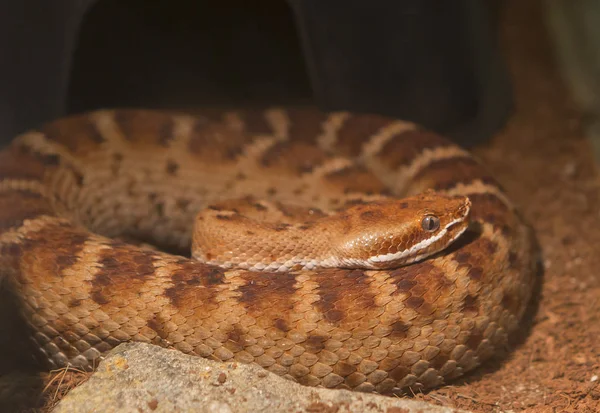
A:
x: 195, y: 285
x: 78, y: 133
x: 371, y: 215
x: 355, y: 179
x: 488, y: 207
x: 125, y: 119
x: 235, y: 339
x: 48, y: 250
x: 172, y: 168
x: 18, y: 206
x: 267, y: 293
x: 157, y: 323
x: 405, y: 285
x: 462, y: 257
x: 98, y: 297
x: 75, y: 302
x: 399, y: 373
x: 447, y: 173
x: 274, y: 153
x: 422, y: 276
x: 439, y: 360
x: 121, y: 266
x: 282, y: 325
x: 343, y: 294
x: 357, y: 130
x: 399, y: 330
x: 404, y: 147
x: 305, y: 125
x: 256, y: 123
x: 471, y: 304
x: 513, y: 260
x: 510, y: 302
x: 65, y: 261
x: 474, y: 339
x: 315, y: 343
x: 93, y: 132
x: 414, y: 302
x: 488, y: 246
x: 294, y: 156
x: 215, y: 141
x: 18, y: 162
x: 476, y: 273
x: 344, y: 369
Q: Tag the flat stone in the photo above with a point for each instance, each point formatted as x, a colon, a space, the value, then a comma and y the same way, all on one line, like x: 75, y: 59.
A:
x: 137, y: 377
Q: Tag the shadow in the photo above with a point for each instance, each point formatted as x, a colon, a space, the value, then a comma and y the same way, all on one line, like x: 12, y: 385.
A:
x: 183, y: 53
x: 21, y: 365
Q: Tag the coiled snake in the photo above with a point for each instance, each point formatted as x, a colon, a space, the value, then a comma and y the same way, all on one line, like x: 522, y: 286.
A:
x: 403, y: 306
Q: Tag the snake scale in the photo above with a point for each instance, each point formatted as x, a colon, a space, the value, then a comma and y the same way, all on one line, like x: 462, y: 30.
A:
x: 74, y: 193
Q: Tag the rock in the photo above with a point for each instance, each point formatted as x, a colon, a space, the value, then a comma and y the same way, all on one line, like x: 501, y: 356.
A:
x: 139, y: 377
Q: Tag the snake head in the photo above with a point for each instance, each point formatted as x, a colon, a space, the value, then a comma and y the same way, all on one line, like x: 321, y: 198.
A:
x: 395, y: 232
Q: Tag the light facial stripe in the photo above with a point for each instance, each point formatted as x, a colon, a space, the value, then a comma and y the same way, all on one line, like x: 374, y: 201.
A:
x: 421, y: 256
x: 418, y: 246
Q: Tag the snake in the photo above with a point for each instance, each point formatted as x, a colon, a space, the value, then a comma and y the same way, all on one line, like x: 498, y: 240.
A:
x: 335, y: 249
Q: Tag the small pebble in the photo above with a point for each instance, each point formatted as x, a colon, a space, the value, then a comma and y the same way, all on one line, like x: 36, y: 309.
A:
x: 222, y: 378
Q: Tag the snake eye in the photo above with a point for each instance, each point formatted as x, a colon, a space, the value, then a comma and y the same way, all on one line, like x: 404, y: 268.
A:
x: 430, y: 223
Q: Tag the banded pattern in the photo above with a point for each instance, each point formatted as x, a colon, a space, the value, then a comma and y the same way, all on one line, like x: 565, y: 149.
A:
x: 69, y: 190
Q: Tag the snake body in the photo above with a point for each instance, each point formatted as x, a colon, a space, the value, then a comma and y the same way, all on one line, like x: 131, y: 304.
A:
x: 70, y: 189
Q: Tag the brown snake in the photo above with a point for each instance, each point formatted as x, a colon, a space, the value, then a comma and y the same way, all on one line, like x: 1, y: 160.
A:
x: 68, y: 191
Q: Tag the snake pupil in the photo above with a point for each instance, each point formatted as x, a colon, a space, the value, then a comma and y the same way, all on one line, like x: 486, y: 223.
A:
x: 430, y: 223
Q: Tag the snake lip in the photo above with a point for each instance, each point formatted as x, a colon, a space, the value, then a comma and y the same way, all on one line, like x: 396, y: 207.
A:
x: 452, y: 226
